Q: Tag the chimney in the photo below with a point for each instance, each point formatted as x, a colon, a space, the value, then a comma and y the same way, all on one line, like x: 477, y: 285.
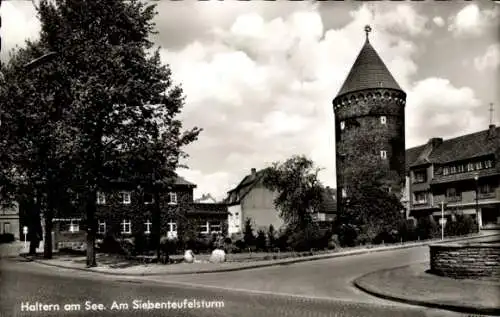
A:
x: 492, y: 131
x: 435, y: 142
x: 254, y: 171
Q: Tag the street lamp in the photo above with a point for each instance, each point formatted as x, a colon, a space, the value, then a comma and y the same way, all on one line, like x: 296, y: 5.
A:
x: 476, y: 178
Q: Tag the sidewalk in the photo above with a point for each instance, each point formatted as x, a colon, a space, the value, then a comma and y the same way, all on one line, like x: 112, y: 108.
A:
x: 125, y: 268
x: 412, y: 285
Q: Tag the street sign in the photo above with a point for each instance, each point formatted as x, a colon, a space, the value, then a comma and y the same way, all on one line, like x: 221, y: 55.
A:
x: 442, y: 221
x: 25, y: 230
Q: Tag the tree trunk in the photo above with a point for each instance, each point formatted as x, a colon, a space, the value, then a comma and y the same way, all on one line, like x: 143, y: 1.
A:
x: 91, y: 228
x: 157, y: 225
x: 47, y: 245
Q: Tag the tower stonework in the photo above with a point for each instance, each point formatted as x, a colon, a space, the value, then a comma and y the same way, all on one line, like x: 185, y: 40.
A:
x: 369, y: 124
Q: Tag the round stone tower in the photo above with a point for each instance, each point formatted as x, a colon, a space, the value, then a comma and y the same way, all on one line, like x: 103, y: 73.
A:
x: 369, y: 124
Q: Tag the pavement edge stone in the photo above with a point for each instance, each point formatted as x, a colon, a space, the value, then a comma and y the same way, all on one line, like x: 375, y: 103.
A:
x: 277, y: 263
x: 372, y: 290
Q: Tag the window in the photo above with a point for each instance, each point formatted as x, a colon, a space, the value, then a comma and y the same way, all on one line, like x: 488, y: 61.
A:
x: 488, y: 164
x: 126, y: 227
x: 126, y: 199
x: 453, y: 170
x: 6, y: 227
x: 470, y: 167
x: 383, y: 120
x: 215, y: 226
x: 383, y: 154
x: 101, y: 227
x: 148, y: 227
x: 237, y: 214
x: 420, y: 197
x: 342, y: 125
x: 344, y: 192
x: 204, y: 227
x: 148, y: 199
x: 485, y: 189
x: 451, y: 192
x: 74, y: 226
x: 461, y: 168
x: 172, y: 198
x: 479, y: 165
x: 172, y: 226
x: 389, y: 189
x: 446, y: 171
x: 420, y: 177
x: 101, y: 198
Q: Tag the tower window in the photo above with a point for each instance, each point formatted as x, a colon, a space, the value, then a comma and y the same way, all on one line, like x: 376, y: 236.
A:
x: 383, y: 154
x: 342, y: 125
x: 383, y: 120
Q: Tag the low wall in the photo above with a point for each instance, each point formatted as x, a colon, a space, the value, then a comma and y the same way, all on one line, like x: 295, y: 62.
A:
x: 466, y: 261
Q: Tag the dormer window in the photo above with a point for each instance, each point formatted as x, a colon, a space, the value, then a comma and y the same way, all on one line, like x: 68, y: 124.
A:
x: 488, y: 164
x: 342, y: 125
x: 446, y: 171
x: 383, y: 119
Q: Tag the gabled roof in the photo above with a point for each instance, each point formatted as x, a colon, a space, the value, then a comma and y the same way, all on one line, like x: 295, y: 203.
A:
x: 461, y: 148
x: 236, y: 194
x: 209, y: 209
x: 466, y: 147
x: 368, y: 71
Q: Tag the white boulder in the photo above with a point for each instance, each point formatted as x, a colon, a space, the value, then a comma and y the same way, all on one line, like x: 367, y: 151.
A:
x: 188, y: 256
x: 218, y: 256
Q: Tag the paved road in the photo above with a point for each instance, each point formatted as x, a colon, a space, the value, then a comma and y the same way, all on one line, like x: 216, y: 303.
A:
x: 321, y: 278
x: 24, y: 282
x: 328, y: 280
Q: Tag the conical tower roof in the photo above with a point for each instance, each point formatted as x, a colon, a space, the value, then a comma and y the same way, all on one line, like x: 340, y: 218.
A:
x: 368, y: 71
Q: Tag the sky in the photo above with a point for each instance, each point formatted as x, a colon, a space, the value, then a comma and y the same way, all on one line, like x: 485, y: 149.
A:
x: 260, y: 76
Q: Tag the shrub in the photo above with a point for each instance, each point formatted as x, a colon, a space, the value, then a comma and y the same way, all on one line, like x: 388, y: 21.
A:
x: 304, y: 239
x: 463, y: 225
x: 7, y: 238
x: 169, y: 246
x: 407, y: 230
x: 261, y: 241
x: 427, y: 228
x: 271, y: 236
x: 111, y: 245
x: 140, y: 243
x: 347, y: 235
x: 248, y: 236
x: 240, y: 244
x: 282, y: 242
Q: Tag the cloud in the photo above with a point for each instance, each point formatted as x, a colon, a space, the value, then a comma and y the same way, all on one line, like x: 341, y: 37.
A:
x: 439, y: 21
x: 490, y: 59
x: 436, y: 108
x: 19, y: 23
x: 472, y: 21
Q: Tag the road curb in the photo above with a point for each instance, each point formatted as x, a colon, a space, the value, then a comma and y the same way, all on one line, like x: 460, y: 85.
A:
x: 277, y: 263
x: 406, y: 300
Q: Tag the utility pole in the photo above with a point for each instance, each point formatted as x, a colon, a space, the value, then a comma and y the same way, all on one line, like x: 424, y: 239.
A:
x: 442, y: 220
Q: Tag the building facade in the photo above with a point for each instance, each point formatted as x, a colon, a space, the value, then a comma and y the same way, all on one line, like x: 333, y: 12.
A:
x: 251, y: 199
x: 457, y: 176
x: 369, y: 124
x: 9, y: 221
x: 125, y: 212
